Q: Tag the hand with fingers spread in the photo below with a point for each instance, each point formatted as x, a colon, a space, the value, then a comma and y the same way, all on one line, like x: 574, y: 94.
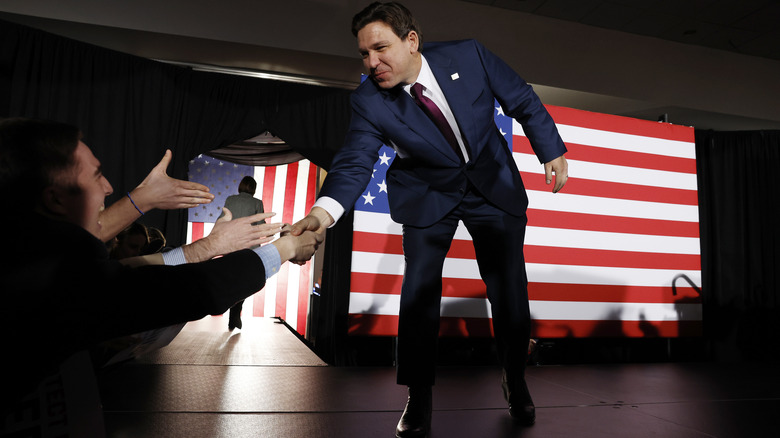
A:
x: 158, y: 190
x: 229, y: 235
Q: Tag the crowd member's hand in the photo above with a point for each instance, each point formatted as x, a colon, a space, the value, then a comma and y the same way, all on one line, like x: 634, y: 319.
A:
x: 299, y: 249
x: 229, y: 235
x: 158, y: 190
x: 560, y: 167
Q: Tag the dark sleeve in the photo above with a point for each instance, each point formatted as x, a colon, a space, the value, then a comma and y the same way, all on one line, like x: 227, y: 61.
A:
x: 520, y: 102
x: 156, y: 296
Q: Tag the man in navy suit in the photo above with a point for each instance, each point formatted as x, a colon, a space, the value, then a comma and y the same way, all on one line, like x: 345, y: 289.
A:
x: 440, y: 176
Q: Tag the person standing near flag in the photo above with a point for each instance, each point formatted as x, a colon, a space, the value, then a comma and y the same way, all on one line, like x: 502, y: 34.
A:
x: 242, y: 205
x: 435, y: 108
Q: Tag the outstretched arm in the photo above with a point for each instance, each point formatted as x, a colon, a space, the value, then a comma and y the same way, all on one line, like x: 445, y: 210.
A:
x: 227, y: 236
x: 158, y: 190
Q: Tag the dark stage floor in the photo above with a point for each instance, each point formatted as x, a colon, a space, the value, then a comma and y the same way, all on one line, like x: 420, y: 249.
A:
x: 263, y: 382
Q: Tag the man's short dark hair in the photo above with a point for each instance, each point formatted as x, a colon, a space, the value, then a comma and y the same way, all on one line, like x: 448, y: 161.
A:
x: 393, y: 14
x: 32, y: 154
x: 247, y: 185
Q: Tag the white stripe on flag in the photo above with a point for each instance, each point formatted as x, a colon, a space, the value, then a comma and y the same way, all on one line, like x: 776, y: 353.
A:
x: 617, y: 140
x: 611, y: 207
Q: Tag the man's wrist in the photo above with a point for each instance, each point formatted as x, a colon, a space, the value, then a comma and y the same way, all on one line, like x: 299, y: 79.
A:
x: 326, y: 220
x: 138, y: 196
x: 331, y: 207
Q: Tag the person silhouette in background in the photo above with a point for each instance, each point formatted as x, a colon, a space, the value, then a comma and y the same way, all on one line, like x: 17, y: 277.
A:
x: 242, y: 205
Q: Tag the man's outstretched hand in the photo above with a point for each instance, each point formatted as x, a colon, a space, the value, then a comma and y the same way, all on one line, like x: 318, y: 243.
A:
x: 158, y: 190
x: 318, y: 220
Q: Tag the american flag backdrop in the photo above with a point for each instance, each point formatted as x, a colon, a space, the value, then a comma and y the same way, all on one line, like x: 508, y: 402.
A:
x: 289, y: 191
x: 601, y: 255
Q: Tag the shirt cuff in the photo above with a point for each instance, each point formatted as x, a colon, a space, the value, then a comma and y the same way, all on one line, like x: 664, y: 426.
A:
x: 334, y: 209
x: 269, y: 255
x: 174, y: 257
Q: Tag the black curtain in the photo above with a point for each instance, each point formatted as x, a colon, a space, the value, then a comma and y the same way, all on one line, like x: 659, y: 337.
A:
x: 131, y: 109
x: 739, y: 204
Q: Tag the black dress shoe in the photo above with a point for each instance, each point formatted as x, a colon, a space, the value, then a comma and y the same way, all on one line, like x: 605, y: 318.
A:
x: 416, y: 419
x: 521, y: 406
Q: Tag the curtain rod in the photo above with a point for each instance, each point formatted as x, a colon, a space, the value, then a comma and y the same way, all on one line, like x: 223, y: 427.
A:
x: 286, y: 77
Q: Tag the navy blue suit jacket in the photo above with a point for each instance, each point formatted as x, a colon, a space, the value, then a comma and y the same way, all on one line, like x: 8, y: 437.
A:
x: 427, y: 179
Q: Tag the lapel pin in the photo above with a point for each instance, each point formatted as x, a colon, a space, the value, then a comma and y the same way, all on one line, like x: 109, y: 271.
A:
x: 454, y: 76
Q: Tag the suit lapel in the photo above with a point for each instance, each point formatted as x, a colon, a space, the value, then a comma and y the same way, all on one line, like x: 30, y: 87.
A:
x: 408, y: 113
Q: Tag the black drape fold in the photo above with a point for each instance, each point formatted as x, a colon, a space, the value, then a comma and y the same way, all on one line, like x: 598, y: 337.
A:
x: 739, y: 204
x: 131, y: 109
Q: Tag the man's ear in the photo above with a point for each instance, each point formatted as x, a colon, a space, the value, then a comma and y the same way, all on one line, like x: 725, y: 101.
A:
x: 414, y: 41
x: 53, y: 201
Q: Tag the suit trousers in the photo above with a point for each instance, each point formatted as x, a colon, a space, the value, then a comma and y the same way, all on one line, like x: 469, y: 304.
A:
x: 498, y: 243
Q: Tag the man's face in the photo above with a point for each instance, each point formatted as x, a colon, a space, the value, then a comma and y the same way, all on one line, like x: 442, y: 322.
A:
x: 389, y: 60
x: 83, y: 206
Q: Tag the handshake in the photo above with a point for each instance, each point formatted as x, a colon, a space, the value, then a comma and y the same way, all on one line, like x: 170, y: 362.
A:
x: 294, y: 244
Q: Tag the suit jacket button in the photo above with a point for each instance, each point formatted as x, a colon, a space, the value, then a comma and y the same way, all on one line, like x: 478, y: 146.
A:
x: 462, y: 190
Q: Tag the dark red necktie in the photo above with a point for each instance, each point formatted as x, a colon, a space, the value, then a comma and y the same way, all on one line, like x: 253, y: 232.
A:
x: 436, y: 116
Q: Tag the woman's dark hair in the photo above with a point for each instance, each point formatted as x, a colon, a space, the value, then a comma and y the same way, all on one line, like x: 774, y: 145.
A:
x: 247, y: 185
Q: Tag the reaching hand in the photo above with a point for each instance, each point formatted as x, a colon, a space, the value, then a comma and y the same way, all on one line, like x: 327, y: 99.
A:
x: 299, y: 249
x: 232, y: 235
x: 318, y: 220
x: 158, y: 190
x: 561, y: 168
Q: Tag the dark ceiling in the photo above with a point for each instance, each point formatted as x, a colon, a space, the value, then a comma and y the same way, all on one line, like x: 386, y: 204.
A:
x: 749, y: 27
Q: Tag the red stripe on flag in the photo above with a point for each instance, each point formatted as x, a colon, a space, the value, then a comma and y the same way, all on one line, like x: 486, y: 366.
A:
x: 269, y: 179
x: 311, y: 187
x: 303, y: 297
x: 197, y: 231
x: 614, y: 224
x: 619, y: 259
x: 606, y: 189
x: 387, y: 325
x: 623, y: 125
x: 606, y: 293
x: 614, y: 328
x: 475, y: 288
x: 289, y: 193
